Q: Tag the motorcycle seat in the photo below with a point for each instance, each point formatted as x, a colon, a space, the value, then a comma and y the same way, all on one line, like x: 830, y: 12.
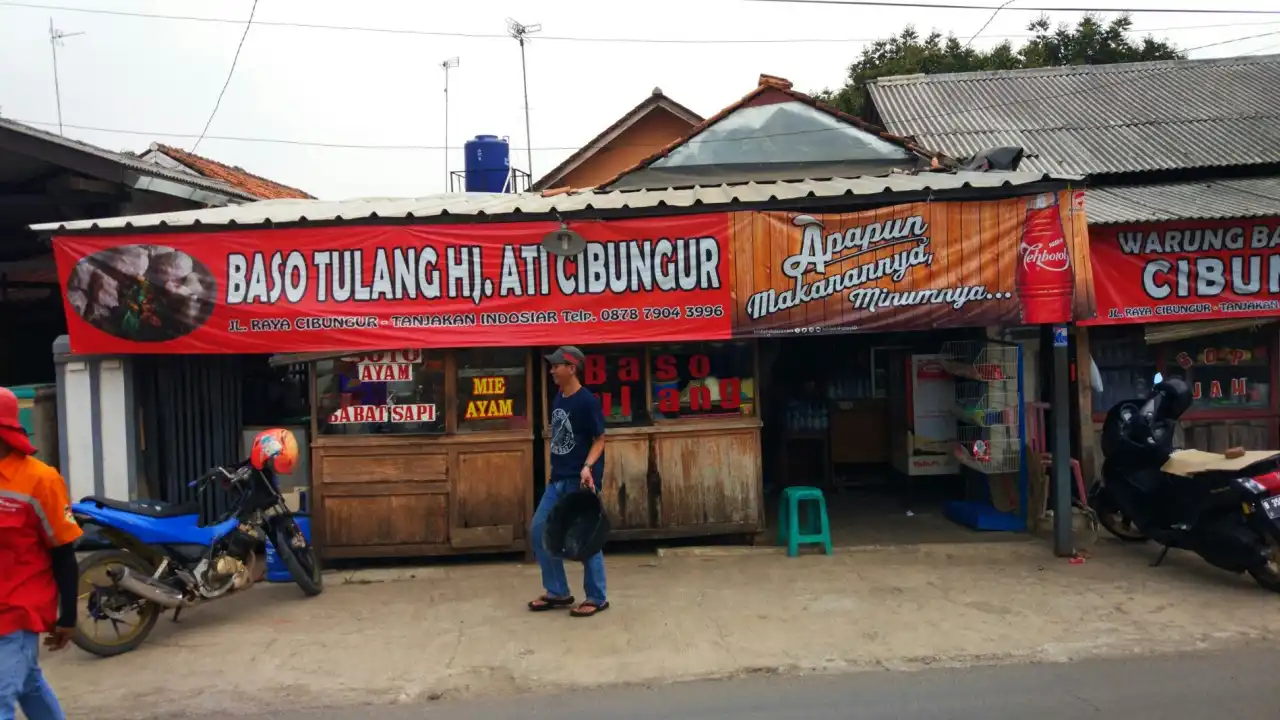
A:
x: 1186, y: 463
x: 157, y: 510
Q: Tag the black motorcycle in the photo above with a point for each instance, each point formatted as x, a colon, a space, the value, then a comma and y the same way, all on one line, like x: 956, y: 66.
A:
x: 1224, y: 508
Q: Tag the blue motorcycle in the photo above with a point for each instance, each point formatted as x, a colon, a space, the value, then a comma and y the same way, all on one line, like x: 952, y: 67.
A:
x: 170, y: 557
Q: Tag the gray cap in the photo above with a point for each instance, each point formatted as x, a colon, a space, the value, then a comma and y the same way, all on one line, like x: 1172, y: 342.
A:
x: 567, y: 355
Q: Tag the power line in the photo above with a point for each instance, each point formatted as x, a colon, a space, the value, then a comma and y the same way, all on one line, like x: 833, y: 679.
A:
x: 353, y: 146
x: 940, y: 6
x: 1233, y: 40
x: 234, y: 60
x: 271, y: 141
x: 554, y: 38
x: 986, y: 24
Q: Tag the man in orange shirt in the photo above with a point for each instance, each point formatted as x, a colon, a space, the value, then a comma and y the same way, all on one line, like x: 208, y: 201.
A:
x: 38, y: 574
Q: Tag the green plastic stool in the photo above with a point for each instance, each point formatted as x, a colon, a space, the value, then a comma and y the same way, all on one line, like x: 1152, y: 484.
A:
x: 815, y: 528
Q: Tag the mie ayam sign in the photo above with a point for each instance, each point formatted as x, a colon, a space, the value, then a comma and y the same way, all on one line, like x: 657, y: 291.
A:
x: 489, y: 401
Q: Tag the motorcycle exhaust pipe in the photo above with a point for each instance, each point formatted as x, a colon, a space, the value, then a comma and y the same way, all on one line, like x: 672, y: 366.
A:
x: 145, y: 588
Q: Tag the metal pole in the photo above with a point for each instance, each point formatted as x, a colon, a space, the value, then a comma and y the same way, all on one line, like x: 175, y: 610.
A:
x: 55, y: 37
x: 1063, y: 543
x: 57, y: 92
x: 524, y: 75
x: 446, y: 128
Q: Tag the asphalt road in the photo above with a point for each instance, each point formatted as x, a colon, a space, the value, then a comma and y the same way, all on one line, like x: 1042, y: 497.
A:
x: 1238, y: 685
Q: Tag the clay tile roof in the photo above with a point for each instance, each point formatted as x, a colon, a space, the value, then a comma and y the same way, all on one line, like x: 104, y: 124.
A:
x: 237, y: 177
x: 773, y: 83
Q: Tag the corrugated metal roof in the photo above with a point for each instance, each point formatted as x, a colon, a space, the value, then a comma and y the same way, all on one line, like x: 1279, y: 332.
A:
x: 128, y: 161
x: 1199, y: 200
x: 1097, y: 119
x: 493, y: 204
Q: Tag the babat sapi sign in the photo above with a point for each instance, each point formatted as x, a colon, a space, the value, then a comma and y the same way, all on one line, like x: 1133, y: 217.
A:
x: 376, y: 371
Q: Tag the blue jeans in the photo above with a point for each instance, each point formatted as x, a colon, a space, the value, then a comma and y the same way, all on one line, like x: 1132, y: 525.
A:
x: 21, y: 682
x: 553, y: 577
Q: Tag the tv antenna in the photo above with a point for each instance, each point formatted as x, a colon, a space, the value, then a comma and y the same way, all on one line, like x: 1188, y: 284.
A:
x: 521, y: 33
x: 447, y: 65
x: 55, y: 39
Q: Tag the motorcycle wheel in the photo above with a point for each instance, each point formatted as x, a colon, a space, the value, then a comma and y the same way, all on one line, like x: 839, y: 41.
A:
x: 1114, y: 520
x: 103, y: 600
x: 304, y: 566
x: 1268, y: 576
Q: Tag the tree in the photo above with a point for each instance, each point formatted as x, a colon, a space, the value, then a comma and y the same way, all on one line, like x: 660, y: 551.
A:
x: 1091, y: 42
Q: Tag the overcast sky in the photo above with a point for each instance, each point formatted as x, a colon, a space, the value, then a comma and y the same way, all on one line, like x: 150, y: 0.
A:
x: 157, y: 76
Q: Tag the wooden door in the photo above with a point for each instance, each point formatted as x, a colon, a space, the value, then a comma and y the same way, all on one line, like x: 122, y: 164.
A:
x: 492, y: 495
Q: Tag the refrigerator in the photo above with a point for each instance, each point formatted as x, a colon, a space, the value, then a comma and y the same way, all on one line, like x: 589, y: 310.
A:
x: 922, y: 425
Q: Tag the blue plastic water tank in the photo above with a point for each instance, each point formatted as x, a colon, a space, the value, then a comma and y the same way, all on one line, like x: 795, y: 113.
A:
x: 487, y: 163
x: 276, y: 570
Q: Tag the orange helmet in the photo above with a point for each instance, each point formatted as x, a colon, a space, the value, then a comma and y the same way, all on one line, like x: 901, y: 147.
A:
x: 277, y: 449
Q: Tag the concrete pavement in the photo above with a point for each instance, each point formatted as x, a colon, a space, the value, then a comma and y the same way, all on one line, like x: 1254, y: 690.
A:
x: 1182, y: 687
x: 459, y: 631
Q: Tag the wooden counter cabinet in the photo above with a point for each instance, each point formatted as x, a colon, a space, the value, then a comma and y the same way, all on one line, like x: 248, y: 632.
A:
x: 682, y: 448
x: 435, y: 460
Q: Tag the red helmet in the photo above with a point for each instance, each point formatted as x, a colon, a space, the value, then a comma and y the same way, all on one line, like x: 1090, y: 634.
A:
x: 276, y: 449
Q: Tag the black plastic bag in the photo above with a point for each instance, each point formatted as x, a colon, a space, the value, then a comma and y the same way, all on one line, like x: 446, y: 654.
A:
x: 577, y: 526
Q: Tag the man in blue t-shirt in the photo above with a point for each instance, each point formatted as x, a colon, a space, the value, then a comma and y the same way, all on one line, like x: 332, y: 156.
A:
x: 577, y: 461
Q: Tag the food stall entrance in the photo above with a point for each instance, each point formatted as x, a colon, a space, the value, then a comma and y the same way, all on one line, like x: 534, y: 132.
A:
x: 905, y: 389
x: 424, y: 393
x: 900, y: 430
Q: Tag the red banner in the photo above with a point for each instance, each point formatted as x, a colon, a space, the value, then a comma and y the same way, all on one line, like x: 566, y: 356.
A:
x: 377, y: 287
x: 1164, y: 272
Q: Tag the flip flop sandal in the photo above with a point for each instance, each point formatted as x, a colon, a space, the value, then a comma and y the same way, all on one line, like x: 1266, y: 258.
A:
x: 579, y: 611
x: 545, y: 603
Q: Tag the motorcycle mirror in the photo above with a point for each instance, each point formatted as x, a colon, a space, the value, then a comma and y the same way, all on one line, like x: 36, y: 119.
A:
x: 1159, y: 378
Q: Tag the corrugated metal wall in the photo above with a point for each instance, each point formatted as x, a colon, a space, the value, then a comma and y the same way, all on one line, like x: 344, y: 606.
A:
x: 191, y: 420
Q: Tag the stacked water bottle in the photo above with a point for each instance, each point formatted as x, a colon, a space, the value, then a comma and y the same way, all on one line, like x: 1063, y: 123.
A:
x: 807, y: 417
